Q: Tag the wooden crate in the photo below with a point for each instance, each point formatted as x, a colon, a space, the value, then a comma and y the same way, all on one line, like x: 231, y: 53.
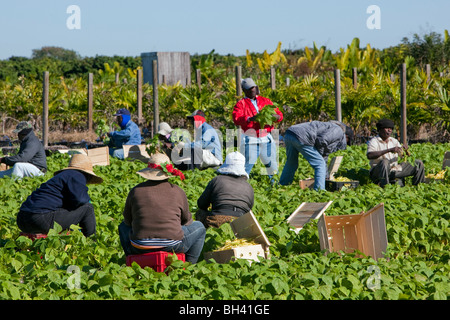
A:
x: 306, y: 183
x: 250, y: 253
x: 333, y: 167
x: 136, y: 152
x: 98, y: 156
x: 244, y: 227
x: 365, y: 232
x: 305, y: 212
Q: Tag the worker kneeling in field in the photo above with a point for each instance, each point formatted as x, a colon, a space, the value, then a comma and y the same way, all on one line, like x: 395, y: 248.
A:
x: 30, y: 160
x: 315, y: 140
x: 128, y: 135
x: 229, y: 194
x: 156, y: 216
x: 383, y: 152
x: 63, y: 199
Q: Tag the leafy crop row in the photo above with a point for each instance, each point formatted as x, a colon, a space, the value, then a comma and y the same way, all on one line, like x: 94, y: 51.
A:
x: 74, y: 267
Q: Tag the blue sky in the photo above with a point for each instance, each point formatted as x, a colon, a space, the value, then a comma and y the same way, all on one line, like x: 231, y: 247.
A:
x: 131, y: 27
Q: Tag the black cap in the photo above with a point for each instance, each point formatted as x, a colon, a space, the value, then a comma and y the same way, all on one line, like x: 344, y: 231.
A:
x: 385, y: 123
x: 197, y: 113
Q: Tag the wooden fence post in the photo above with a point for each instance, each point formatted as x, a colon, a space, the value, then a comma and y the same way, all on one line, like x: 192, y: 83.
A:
x: 139, y: 97
x: 403, y: 117
x: 355, y: 77
x: 199, y: 79
x: 155, y: 98
x: 428, y: 70
x: 238, y: 82
x: 272, y: 78
x: 337, y: 89
x: 90, y: 97
x: 45, y: 85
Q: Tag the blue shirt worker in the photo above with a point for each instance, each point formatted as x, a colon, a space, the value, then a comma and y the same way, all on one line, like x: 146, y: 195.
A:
x: 128, y: 135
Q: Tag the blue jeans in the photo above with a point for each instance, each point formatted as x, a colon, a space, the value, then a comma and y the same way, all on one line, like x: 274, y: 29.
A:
x: 22, y: 169
x: 191, y: 245
x: 265, y: 148
x: 117, y: 153
x: 317, y: 162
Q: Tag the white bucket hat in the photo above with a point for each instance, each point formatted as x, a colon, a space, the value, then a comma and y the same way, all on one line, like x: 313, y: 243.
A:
x: 234, y: 164
x: 164, y: 128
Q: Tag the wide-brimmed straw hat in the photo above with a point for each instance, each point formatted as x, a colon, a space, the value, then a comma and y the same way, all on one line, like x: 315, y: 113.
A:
x: 234, y: 164
x: 155, y: 173
x: 82, y: 163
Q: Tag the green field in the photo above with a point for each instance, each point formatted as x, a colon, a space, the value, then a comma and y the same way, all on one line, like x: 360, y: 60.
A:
x: 416, y: 265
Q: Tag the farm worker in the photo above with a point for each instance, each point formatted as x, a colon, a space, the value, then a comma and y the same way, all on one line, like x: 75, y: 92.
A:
x: 128, y: 135
x: 383, y: 152
x: 206, y: 148
x: 156, y: 216
x: 63, y: 199
x: 255, y: 141
x: 229, y: 194
x: 30, y: 160
x: 315, y: 140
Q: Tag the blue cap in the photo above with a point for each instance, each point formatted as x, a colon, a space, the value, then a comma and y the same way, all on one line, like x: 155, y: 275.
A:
x: 122, y: 111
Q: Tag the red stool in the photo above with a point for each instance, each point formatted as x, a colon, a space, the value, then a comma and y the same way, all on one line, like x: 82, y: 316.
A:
x: 156, y: 260
x: 33, y: 236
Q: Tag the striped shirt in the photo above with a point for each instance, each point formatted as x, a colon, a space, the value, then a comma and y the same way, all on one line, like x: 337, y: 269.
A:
x: 154, y: 243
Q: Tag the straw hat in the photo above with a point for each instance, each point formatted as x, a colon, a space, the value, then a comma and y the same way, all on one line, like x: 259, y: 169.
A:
x: 153, y: 173
x: 234, y: 164
x: 82, y: 163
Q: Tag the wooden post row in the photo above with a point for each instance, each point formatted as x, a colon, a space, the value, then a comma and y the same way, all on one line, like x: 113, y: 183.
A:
x: 272, y: 78
x: 90, y: 96
x: 199, y: 79
x: 155, y: 98
x: 403, y: 136
x: 139, y: 97
x: 45, y: 85
x: 238, y: 82
x: 337, y: 89
x: 355, y: 78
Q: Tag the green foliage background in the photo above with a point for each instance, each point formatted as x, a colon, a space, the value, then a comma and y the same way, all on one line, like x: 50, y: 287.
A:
x: 416, y: 266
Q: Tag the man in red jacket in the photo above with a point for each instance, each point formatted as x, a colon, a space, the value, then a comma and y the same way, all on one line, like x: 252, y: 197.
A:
x: 255, y: 141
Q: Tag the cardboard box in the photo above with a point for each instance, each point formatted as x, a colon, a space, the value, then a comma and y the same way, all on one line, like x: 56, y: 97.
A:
x: 244, y: 227
x: 332, y: 185
x: 98, y: 156
x: 365, y: 232
x: 136, y: 152
x: 305, y: 212
x: 306, y: 183
x: 250, y: 253
x: 333, y: 167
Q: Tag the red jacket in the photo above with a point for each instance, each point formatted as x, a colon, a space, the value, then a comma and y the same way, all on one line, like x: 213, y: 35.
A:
x: 244, y: 109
